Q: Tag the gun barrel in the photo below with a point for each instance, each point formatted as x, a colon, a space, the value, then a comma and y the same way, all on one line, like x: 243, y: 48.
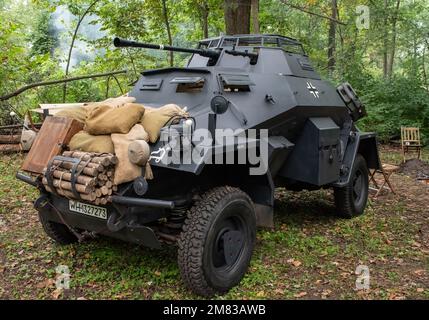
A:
x: 121, y: 43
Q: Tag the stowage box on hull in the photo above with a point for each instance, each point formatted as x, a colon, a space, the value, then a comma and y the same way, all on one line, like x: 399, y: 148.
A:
x: 315, y: 158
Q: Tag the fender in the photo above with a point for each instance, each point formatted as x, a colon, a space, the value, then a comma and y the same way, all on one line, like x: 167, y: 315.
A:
x: 364, y: 143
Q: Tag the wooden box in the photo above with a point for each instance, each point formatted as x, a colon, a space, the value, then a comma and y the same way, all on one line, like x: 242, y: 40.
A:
x: 55, y: 134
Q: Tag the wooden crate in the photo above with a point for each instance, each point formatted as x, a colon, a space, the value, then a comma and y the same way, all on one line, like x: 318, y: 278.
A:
x: 55, y: 134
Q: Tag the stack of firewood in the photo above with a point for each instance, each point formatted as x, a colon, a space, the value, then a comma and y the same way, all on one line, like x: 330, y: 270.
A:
x: 95, y: 181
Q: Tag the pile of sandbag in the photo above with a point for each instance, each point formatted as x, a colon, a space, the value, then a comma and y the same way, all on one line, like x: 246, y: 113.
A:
x: 120, y: 126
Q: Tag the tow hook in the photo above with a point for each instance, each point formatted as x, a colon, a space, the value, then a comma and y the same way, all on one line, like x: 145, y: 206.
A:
x: 41, y: 202
x: 114, y: 223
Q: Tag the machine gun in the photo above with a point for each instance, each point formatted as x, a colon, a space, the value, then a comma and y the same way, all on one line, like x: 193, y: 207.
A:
x: 213, y: 55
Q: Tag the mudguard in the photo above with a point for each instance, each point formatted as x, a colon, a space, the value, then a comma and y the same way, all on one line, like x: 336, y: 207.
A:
x: 365, y: 144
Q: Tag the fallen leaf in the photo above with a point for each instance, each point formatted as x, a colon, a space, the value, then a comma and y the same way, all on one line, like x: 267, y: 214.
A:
x: 57, y: 293
x: 279, y: 291
x: 295, y: 263
x: 45, y: 284
x: 420, y: 272
x: 326, y: 292
x: 260, y: 294
x: 300, y: 295
x: 157, y: 273
x: 420, y: 290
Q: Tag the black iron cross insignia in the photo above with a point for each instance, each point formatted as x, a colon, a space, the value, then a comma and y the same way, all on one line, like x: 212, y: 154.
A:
x: 313, y: 90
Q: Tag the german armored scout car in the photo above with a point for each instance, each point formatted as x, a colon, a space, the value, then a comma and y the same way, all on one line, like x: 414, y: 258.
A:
x: 261, y: 95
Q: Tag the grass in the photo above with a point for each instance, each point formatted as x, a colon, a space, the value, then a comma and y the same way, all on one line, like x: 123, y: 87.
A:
x: 310, y: 254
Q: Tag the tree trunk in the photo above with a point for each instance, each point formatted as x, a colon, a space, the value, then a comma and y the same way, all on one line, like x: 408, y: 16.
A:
x: 332, y: 36
x: 237, y: 16
x: 255, y: 16
x: 167, y: 26
x: 394, y: 34
x: 425, y: 78
x: 205, y: 18
x: 385, y: 68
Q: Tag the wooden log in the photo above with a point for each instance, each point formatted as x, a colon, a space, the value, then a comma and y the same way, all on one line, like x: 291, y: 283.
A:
x: 87, y: 197
x: 10, y: 139
x: 93, y: 172
x: 10, y: 148
x: 109, y: 184
x: 103, y: 177
x: 68, y: 165
x: 66, y: 185
x: 98, y: 193
x: 105, y: 160
x: 106, y: 191
x: 81, y: 179
x: 115, y: 188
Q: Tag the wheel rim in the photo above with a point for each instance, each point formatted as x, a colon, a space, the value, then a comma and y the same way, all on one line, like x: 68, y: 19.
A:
x: 358, y: 187
x: 229, y: 243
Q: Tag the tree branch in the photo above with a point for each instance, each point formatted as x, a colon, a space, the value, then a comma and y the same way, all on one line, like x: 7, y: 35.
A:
x: 286, y: 2
x: 52, y: 82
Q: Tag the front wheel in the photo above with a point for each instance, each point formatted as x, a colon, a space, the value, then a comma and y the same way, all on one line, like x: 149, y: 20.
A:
x: 58, y: 232
x: 350, y: 201
x: 217, y: 241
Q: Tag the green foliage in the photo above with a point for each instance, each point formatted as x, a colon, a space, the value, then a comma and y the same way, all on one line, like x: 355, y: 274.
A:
x: 43, y: 38
x: 30, y: 49
x: 393, y: 103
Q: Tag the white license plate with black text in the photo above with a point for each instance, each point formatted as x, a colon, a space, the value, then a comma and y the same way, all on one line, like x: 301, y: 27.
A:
x: 87, y: 209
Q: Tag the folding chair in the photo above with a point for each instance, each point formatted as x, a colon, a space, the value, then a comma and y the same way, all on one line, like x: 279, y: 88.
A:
x: 410, y: 139
x: 387, y: 170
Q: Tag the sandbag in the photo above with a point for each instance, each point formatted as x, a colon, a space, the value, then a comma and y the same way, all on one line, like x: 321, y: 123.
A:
x: 126, y: 171
x: 78, y: 114
x: 139, y: 152
x: 83, y: 141
x: 155, y: 119
x: 27, y: 139
x: 111, y: 102
x: 107, y: 120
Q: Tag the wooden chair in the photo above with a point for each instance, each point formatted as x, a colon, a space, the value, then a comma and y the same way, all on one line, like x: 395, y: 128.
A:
x: 386, y: 171
x: 410, y: 140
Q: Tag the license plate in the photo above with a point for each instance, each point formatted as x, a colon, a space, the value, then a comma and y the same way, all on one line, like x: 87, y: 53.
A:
x: 87, y: 209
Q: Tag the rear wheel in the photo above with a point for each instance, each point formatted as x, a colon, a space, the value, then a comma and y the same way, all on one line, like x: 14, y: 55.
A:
x: 350, y: 201
x: 57, y: 231
x: 217, y: 241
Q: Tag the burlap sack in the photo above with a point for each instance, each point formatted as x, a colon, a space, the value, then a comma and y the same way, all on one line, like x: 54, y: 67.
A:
x: 155, y: 119
x: 111, y: 102
x: 78, y: 114
x: 126, y: 171
x: 83, y: 141
x: 139, y: 152
x: 107, y: 120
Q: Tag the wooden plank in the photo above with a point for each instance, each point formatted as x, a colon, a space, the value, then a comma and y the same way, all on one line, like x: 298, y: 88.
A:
x: 53, y: 109
x: 56, y: 132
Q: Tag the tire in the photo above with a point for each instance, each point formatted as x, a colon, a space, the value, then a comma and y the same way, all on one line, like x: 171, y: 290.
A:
x: 351, y: 200
x: 60, y: 233
x: 208, y: 263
